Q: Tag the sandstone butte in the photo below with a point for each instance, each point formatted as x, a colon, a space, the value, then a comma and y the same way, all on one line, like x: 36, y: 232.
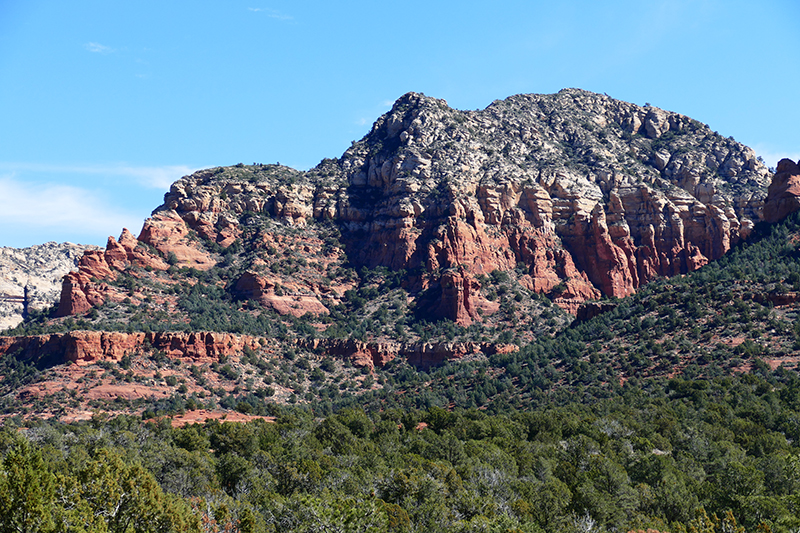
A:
x: 576, y: 195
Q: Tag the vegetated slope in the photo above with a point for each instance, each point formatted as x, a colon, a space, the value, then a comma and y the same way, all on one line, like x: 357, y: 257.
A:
x: 737, y: 314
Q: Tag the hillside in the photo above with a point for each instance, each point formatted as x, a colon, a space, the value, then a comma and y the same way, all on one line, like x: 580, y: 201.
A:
x: 674, y: 411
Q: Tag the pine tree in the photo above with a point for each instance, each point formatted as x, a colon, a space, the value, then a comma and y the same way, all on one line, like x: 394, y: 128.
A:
x: 27, y: 489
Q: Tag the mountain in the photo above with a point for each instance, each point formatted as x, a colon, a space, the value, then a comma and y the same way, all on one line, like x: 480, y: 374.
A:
x: 576, y: 194
x: 442, y: 235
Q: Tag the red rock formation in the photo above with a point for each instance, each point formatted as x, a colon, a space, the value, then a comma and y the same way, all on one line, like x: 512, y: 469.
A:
x: 116, y: 255
x: 610, y: 266
x: 168, y: 233
x: 73, y: 297
x: 783, y: 197
x: 93, y: 264
x: 426, y: 355
x: 361, y: 354
x: 80, y: 292
x: 423, y: 191
x: 87, y: 347
x: 88, y: 287
x: 460, y: 298
x: 252, y: 286
x: 778, y: 298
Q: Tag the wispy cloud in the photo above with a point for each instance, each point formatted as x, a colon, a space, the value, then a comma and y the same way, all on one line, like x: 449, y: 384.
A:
x: 271, y: 13
x: 58, y: 207
x: 98, y: 48
x: 156, y: 177
x: 152, y: 177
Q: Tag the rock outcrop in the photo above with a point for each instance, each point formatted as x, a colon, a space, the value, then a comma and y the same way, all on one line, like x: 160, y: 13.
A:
x: 589, y: 310
x: 89, y: 286
x: 87, y: 347
x: 578, y: 187
x: 31, y: 278
x: 287, y: 299
x: 783, y: 197
x: 419, y: 354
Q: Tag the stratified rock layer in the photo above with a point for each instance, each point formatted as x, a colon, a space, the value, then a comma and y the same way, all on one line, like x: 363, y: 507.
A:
x: 588, y: 193
x: 88, y: 347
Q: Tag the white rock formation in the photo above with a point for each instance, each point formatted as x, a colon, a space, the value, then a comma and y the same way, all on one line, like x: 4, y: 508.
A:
x: 38, y: 267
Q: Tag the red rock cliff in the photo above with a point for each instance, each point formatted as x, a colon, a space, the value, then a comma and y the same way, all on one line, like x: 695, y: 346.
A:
x: 88, y: 347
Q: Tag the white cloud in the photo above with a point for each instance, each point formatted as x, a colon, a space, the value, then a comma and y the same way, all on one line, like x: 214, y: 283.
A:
x: 152, y: 177
x: 98, y: 48
x: 155, y: 177
x: 271, y: 13
x: 41, y: 202
x: 60, y: 207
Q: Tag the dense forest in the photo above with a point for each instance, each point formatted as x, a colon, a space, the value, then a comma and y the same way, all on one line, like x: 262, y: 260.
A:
x: 672, y: 455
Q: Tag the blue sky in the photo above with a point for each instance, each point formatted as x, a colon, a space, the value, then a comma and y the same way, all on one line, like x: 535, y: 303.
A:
x: 104, y: 103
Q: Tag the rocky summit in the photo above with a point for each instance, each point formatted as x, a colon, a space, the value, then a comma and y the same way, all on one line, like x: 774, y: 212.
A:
x: 586, y: 194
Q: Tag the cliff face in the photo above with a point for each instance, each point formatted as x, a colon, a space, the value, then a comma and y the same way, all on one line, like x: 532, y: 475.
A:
x: 588, y: 195
x: 586, y: 191
x: 87, y: 347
